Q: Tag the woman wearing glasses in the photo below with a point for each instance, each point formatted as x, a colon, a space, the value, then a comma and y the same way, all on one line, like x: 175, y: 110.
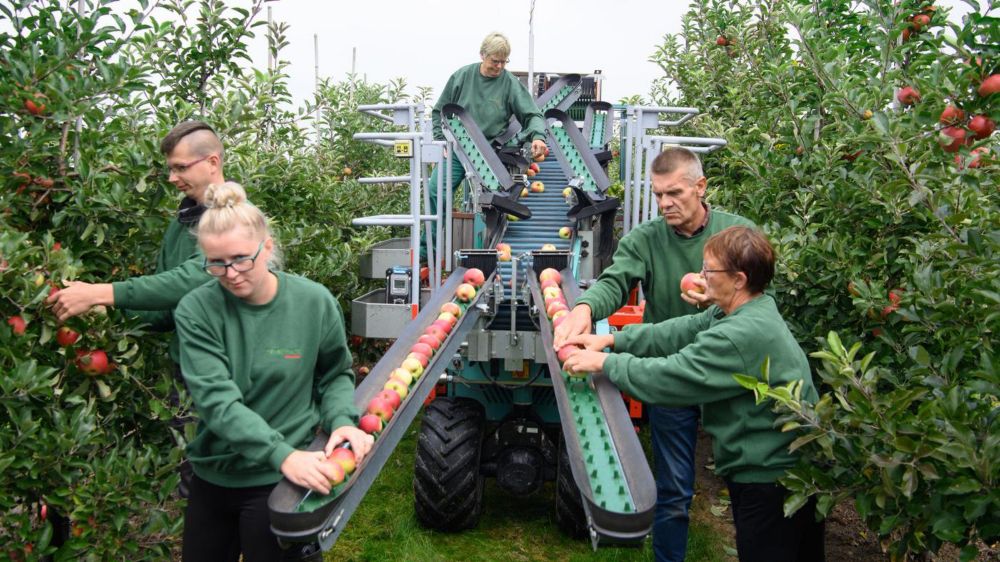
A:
x: 265, y: 357
x: 691, y: 360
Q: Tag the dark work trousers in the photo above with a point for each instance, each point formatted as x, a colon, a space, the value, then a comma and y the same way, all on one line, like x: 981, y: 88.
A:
x: 220, y: 523
x: 764, y: 534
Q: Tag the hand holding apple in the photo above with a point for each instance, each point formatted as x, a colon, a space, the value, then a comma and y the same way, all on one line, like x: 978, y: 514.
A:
x: 360, y: 441
x: 578, y: 322
x: 309, y: 469
x: 584, y: 362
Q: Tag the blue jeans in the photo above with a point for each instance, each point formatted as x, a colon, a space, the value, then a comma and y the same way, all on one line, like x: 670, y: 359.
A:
x: 675, y: 432
x: 457, y: 175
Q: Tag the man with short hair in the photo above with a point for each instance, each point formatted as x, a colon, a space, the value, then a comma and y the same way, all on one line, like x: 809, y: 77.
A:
x: 658, y: 254
x: 490, y: 94
x: 194, y: 156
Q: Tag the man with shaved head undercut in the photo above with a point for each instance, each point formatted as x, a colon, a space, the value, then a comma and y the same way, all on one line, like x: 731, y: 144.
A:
x: 194, y: 157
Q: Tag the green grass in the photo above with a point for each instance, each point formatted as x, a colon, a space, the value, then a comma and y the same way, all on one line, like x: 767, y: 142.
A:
x: 511, y: 529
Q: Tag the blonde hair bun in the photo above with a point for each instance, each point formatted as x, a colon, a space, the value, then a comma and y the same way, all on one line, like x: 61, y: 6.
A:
x: 229, y: 194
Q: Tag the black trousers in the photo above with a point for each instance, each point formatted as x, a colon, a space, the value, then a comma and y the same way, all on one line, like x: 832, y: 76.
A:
x: 220, y: 523
x: 764, y: 534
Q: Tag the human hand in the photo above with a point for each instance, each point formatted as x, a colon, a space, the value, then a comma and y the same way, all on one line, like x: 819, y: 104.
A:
x: 585, y: 362
x: 308, y: 469
x: 592, y: 342
x: 577, y: 322
x: 78, y: 297
x: 361, y: 442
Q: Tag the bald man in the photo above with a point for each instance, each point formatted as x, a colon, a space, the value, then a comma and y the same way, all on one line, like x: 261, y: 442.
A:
x: 194, y: 156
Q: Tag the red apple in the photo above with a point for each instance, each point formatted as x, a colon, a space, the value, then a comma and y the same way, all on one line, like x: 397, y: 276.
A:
x: 474, y: 277
x: 908, y: 95
x: 690, y: 283
x: 449, y: 318
x: 370, y: 424
x: 430, y: 340
x: 559, y: 318
x: 436, y: 332
x: 17, y: 325
x: 952, y: 115
x: 65, y: 336
x: 364, y: 370
x: 337, y: 470
x: 465, y: 292
x: 442, y: 325
x: 550, y: 273
x: 952, y: 138
x: 534, y: 167
x: 345, y: 458
x: 422, y: 348
x: 551, y: 292
x: 554, y: 308
x: 92, y: 362
x: 537, y: 187
x: 990, y: 85
x: 550, y: 283
x: 721, y: 41
x: 34, y: 108
x: 391, y: 397
x: 382, y: 408
x: 982, y: 126
x: 403, y: 373
x: 920, y: 21
x: 557, y: 298
x: 565, y: 352
x: 401, y: 389
x: 452, y: 308
x: 420, y: 358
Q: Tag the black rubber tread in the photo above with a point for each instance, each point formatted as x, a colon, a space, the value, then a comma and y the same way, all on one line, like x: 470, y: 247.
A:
x: 447, y: 484
x: 570, y: 517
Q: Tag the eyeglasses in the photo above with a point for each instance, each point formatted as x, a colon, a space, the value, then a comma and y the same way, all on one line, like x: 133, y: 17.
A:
x: 239, y: 265
x: 497, y: 62
x: 704, y: 271
x: 181, y: 168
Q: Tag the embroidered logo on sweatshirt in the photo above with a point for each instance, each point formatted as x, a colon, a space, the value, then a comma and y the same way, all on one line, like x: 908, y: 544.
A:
x: 285, y: 352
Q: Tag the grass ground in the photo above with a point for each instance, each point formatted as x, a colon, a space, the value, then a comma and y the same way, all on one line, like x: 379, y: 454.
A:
x: 511, y: 529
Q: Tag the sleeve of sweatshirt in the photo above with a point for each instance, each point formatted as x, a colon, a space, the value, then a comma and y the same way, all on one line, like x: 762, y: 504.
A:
x: 163, y: 290
x: 612, y: 288
x: 447, y: 95
x: 527, y: 112
x: 217, y: 397
x: 663, y: 338
x: 334, y: 377
x: 700, y: 372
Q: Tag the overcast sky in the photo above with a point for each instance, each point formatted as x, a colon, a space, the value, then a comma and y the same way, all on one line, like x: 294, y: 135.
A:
x: 425, y: 41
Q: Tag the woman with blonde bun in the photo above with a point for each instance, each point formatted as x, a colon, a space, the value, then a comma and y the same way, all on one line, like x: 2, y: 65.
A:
x: 265, y: 357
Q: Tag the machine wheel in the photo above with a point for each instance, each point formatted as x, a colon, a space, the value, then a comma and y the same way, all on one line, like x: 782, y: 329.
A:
x: 447, y: 485
x: 570, y: 516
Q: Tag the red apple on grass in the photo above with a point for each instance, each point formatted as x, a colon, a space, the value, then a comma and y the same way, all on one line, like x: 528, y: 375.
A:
x: 370, y: 424
x: 474, y: 277
x: 690, y: 283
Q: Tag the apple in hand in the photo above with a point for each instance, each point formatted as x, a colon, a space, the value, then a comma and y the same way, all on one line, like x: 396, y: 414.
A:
x: 566, y: 351
x: 337, y: 470
x: 345, y: 458
x: 370, y: 424
x: 690, y: 283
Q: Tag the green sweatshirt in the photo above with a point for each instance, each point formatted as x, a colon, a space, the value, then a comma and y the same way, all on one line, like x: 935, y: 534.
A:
x: 178, y: 270
x: 652, y: 253
x: 490, y: 102
x: 262, y: 377
x: 691, y: 360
